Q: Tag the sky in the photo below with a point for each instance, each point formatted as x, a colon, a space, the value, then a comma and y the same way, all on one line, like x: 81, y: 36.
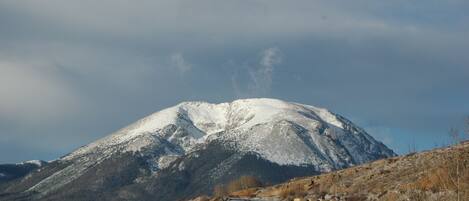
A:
x: 74, y: 71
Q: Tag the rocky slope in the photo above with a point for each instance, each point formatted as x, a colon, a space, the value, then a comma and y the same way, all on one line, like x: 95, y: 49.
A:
x: 186, y: 149
x: 440, y: 174
x: 10, y: 172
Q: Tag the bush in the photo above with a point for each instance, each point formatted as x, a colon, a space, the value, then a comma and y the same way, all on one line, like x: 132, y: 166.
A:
x: 219, y: 190
x: 294, y: 190
x: 244, y: 182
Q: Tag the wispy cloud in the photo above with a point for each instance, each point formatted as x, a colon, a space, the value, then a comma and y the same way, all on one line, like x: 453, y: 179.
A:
x: 270, y: 57
x: 260, y: 75
x: 178, y: 61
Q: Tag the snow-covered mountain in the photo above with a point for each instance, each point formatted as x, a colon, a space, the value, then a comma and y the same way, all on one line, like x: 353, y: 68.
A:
x: 263, y: 126
x: 275, y: 132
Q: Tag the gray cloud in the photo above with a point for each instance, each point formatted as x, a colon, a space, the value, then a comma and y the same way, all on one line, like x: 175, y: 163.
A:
x: 71, y: 72
x: 34, y: 93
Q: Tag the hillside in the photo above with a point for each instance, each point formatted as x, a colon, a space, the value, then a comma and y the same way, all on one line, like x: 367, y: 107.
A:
x: 10, y: 172
x: 440, y: 174
x: 185, y: 150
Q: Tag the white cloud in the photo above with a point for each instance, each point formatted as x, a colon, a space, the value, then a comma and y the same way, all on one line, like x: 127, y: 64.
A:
x: 178, y: 61
x: 261, y: 76
x: 271, y: 57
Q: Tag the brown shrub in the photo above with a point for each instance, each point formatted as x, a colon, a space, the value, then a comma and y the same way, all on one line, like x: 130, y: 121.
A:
x: 451, y: 174
x: 201, y: 198
x: 250, y: 192
x: 219, y: 190
x: 294, y: 190
x: 244, y: 182
x: 417, y: 195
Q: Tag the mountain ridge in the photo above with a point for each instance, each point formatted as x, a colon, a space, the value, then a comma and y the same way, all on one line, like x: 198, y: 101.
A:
x: 203, y: 119
x: 263, y: 133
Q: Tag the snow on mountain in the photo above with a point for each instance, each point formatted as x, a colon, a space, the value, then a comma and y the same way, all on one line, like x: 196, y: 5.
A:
x: 281, y: 132
x: 270, y: 119
x: 37, y: 163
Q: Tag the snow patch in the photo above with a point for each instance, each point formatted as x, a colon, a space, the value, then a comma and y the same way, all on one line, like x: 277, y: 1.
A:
x: 38, y: 163
x: 165, y: 161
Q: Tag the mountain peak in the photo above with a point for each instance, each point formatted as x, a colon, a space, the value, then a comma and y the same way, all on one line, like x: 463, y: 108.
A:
x: 320, y: 137
x: 211, y: 118
x: 214, y: 143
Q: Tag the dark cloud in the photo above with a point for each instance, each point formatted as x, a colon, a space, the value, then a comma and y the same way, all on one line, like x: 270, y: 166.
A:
x: 74, y: 71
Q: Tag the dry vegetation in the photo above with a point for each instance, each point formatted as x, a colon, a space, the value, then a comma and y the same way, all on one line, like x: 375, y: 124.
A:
x: 244, y: 186
x: 441, y: 174
x: 437, y: 175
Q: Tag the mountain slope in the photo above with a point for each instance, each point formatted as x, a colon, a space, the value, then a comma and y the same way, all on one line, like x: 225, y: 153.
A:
x: 12, y: 171
x: 440, y: 174
x: 227, y: 139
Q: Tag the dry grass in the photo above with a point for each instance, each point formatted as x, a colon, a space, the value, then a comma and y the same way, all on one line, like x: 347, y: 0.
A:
x: 219, y: 190
x: 250, y: 192
x: 450, y: 175
x: 292, y: 190
x: 429, y: 175
x: 241, y: 187
x: 244, y: 182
